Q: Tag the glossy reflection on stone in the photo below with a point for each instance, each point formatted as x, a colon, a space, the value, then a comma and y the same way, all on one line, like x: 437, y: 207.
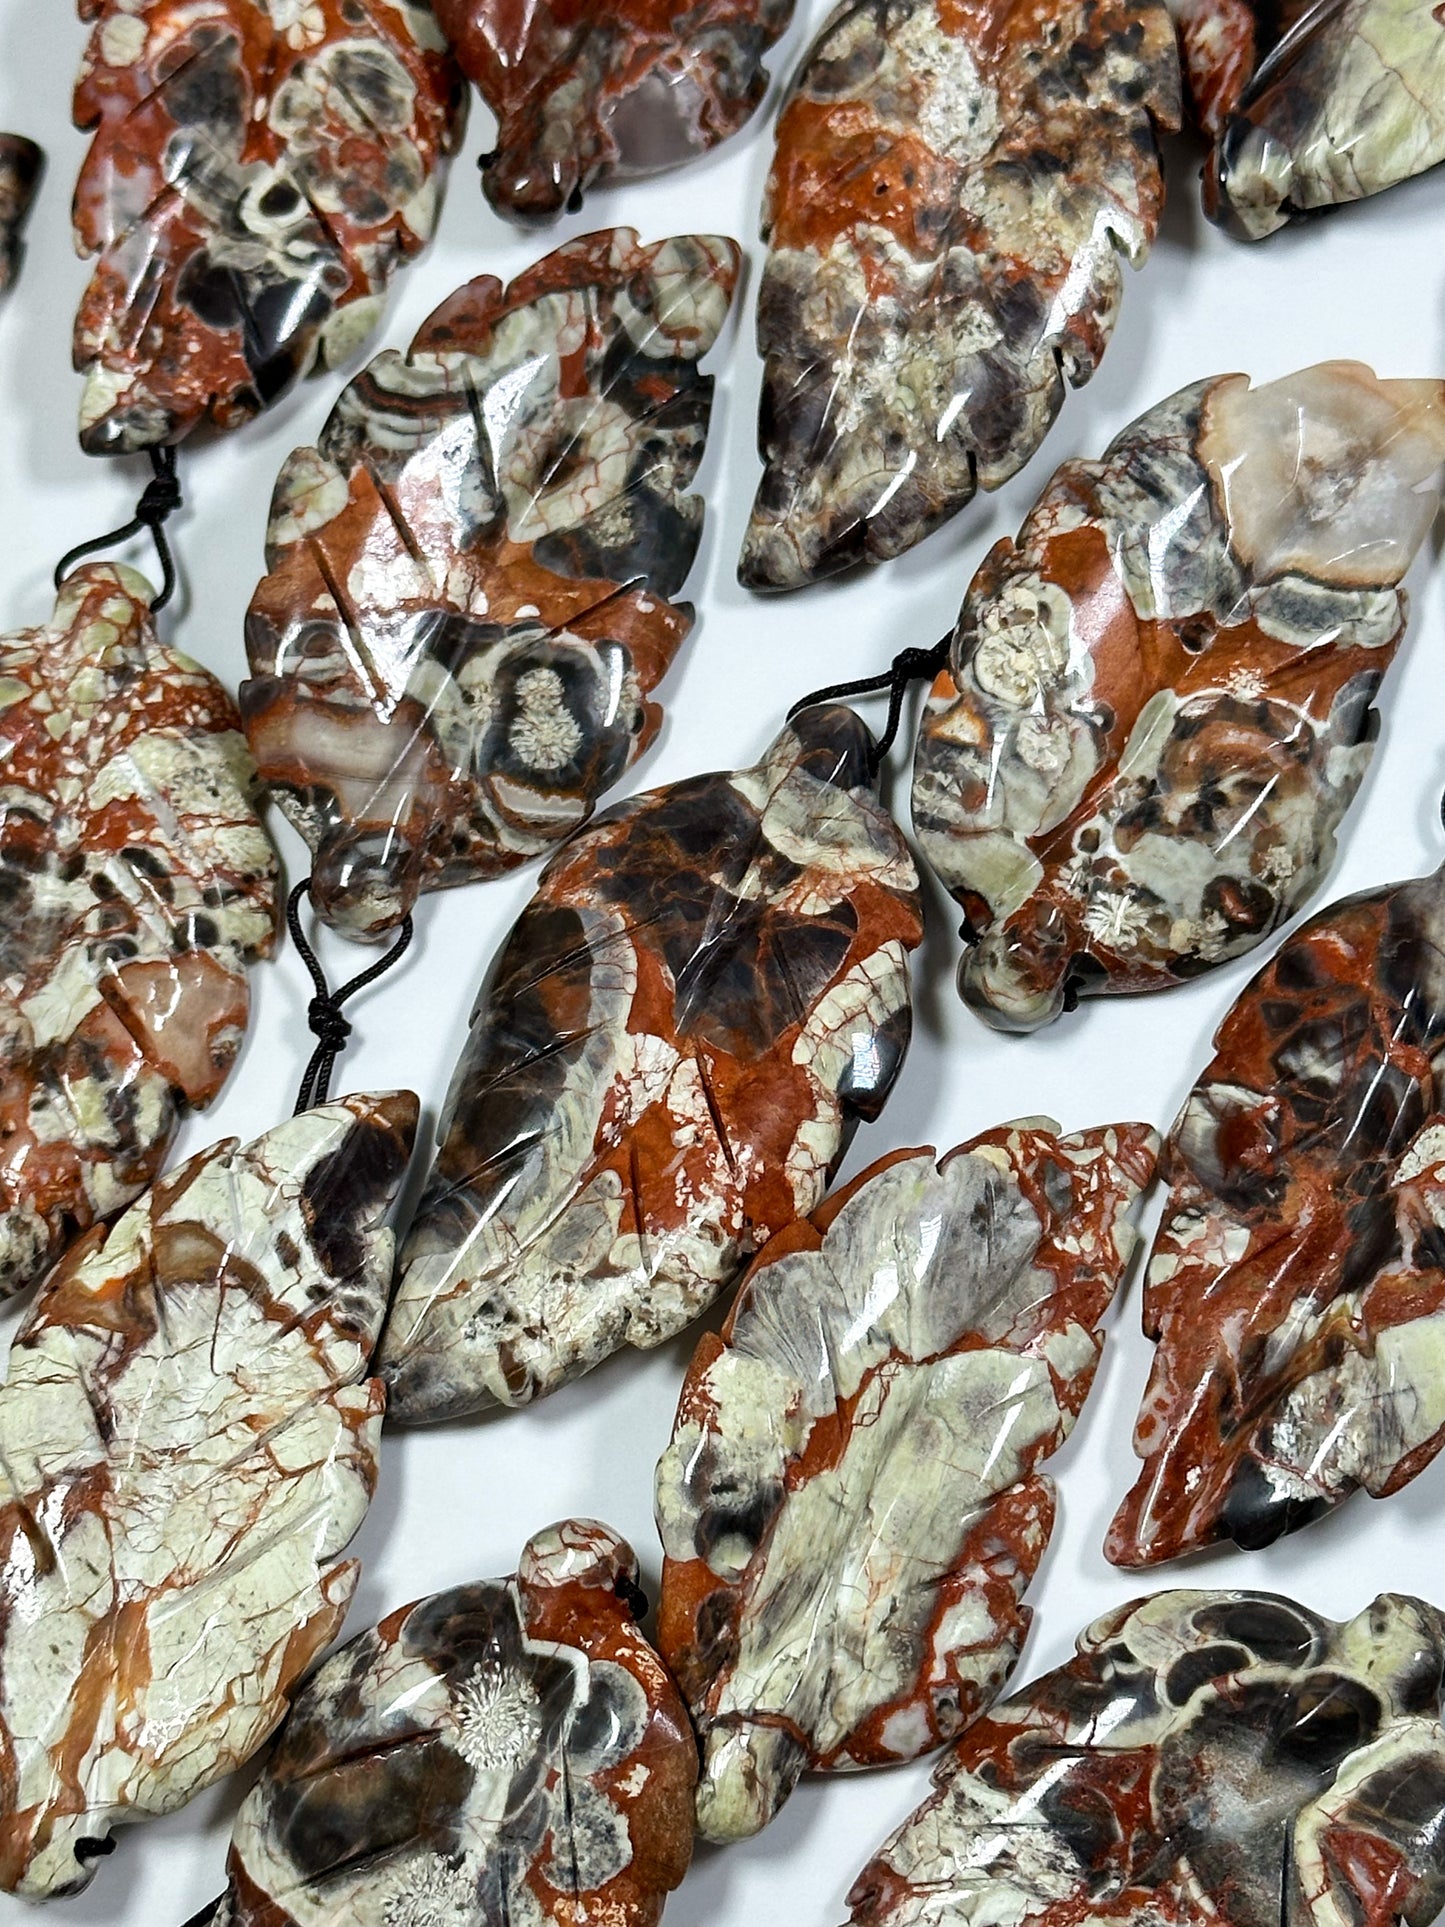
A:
x: 851, y: 1504
x: 1158, y: 702
x: 1206, y: 1757
x: 951, y: 197
x: 20, y: 165
x: 589, y: 91
x: 1296, y: 1289
x: 468, y: 599
x: 509, y: 1751
x: 666, y: 1062
x: 188, y: 1439
x: 136, y: 885
x: 258, y: 171
x: 1312, y: 105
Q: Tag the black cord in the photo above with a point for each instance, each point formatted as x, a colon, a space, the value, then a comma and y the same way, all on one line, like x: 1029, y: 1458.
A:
x: 160, y: 498
x: 909, y: 665
x: 323, y: 1013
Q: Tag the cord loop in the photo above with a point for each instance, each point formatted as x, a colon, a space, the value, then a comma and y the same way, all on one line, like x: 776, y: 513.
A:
x: 324, y: 1016
x: 160, y: 498
x: 908, y: 666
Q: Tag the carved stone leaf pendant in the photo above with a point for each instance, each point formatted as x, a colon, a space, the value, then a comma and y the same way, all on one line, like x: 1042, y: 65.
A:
x: 20, y: 165
x: 258, y: 171
x: 851, y: 1505
x: 137, y: 885
x: 952, y: 192
x: 708, y: 990
x: 1310, y: 105
x: 587, y: 91
x: 469, y: 597
x: 1206, y: 1756
x: 1296, y: 1290
x: 507, y: 1751
x: 188, y: 1439
x: 1158, y: 701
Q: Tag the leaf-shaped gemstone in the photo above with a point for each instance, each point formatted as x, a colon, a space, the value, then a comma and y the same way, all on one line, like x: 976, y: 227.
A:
x: 1157, y: 705
x: 20, y: 164
x: 1206, y: 1757
x: 1296, y: 1289
x: 1310, y: 106
x: 510, y: 1751
x: 587, y: 91
x: 665, y: 1065
x: 951, y: 194
x: 188, y: 1439
x: 137, y: 884
x: 468, y: 598
x: 258, y: 171
x: 851, y: 1505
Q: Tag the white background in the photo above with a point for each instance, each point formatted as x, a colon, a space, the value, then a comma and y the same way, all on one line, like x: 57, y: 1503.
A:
x: 457, y: 1502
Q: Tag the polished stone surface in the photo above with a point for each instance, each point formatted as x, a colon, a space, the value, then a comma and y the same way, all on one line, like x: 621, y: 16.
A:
x: 1310, y: 106
x: 1207, y: 1757
x: 471, y: 576
x: 666, y: 1062
x: 511, y: 1751
x: 136, y: 885
x: 851, y: 1505
x: 591, y: 91
x: 1296, y: 1290
x: 188, y: 1439
x: 1158, y: 701
x: 258, y: 170
x: 954, y: 190
x: 20, y: 165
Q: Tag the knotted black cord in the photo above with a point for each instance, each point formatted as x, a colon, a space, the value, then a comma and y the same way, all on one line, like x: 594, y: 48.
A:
x: 323, y: 1013
x: 160, y: 498
x: 909, y: 665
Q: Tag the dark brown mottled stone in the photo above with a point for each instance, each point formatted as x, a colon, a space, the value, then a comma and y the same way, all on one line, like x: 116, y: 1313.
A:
x: 188, y: 1440
x: 954, y: 187
x: 1207, y: 1758
x: 20, y: 165
x: 470, y: 597
x: 256, y: 175
x: 667, y: 1060
x: 1158, y: 701
x: 1296, y: 1290
x: 509, y: 1751
x: 852, y: 1504
x: 136, y: 886
x: 1312, y: 103
x: 589, y: 91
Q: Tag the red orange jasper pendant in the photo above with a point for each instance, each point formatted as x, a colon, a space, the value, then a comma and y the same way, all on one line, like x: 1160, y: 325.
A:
x: 587, y: 91
x: 1296, y: 1289
x: 20, y: 165
x: 188, y: 1440
x: 1157, y: 705
x: 507, y: 1751
x: 258, y: 172
x: 1206, y: 1757
x: 137, y: 884
x: 1312, y: 105
x: 468, y: 600
x: 953, y: 187
x: 851, y: 1505
x: 666, y: 1064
